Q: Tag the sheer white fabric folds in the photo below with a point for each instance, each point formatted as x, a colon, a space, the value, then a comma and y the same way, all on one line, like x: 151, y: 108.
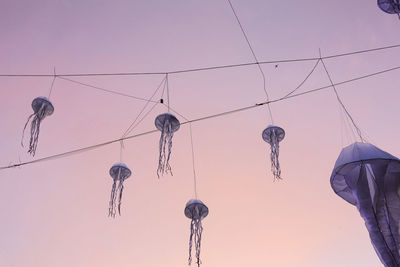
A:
x: 369, y: 178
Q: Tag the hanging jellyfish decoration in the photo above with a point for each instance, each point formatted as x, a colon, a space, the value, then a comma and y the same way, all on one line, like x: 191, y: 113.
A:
x: 196, y: 211
x: 369, y: 179
x: 273, y: 135
x: 167, y: 124
x: 119, y: 172
x: 390, y: 6
x: 42, y: 107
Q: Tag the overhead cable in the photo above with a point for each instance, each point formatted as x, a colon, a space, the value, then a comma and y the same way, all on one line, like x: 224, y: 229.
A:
x: 80, y: 150
x: 203, y: 68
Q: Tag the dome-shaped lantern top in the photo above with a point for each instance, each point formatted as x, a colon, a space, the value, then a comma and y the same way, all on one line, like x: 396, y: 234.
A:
x: 44, y: 103
x: 273, y: 132
x: 119, y: 171
x: 390, y: 6
x: 195, y: 209
x: 167, y: 119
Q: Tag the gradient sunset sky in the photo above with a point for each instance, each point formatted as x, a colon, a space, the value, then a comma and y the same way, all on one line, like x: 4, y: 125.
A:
x: 54, y: 213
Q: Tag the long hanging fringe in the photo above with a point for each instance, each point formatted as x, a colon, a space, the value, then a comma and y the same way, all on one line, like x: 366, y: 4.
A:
x: 35, y: 129
x: 111, y: 209
x: 196, y: 230
x: 116, y: 191
x: 275, y: 167
x: 120, y: 189
x: 165, y: 142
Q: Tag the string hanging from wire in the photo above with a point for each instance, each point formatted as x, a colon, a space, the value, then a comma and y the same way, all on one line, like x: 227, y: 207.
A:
x: 255, y: 58
x: 341, y: 102
x: 273, y: 134
x: 196, y: 211
x: 52, y: 83
x: 193, y: 162
x: 133, y: 125
x: 119, y: 171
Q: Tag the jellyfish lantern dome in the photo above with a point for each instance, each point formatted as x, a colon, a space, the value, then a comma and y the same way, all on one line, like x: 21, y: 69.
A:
x: 369, y: 178
x: 167, y: 124
x: 119, y: 172
x: 273, y: 135
x: 390, y: 6
x: 196, y: 211
x: 42, y: 107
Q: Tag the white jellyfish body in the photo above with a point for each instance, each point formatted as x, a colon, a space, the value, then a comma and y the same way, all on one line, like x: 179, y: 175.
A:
x: 167, y: 124
x: 42, y: 107
x: 119, y: 172
x: 369, y: 178
x: 273, y: 135
x: 196, y: 211
x: 390, y: 6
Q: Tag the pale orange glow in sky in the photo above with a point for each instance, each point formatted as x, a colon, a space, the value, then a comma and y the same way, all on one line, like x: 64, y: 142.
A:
x: 54, y: 213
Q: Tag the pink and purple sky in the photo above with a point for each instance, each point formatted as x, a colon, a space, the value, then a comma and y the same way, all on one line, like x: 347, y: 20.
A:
x: 54, y: 213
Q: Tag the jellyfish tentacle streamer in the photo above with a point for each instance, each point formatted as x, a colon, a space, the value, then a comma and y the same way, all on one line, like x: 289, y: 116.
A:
x: 274, y: 135
x: 42, y: 107
x: 167, y: 124
x: 196, y: 211
x: 165, y: 143
x: 120, y: 189
x: 275, y: 167
x: 191, y: 242
x: 119, y: 172
x: 169, y: 140
x: 114, y: 191
x: 111, y: 209
x: 23, y: 131
x: 196, y: 231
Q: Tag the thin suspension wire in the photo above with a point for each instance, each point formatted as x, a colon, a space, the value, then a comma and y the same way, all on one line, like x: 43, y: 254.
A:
x: 351, y: 136
x: 244, y: 33
x: 336, y: 84
x: 176, y: 112
x: 122, y: 146
x: 103, y: 89
x: 255, y: 58
x: 131, y: 127
x: 145, y: 115
x: 75, y: 151
x: 305, y: 79
x: 341, y: 103
x: 163, y: 91
x: 346, y: 128
x: 166, y: 81
x: 193, y: 163
x: 205, y: 68
x: 349, y: 125
x: 52, y: 83
x: 341, y: 122
x: 88, y: 148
